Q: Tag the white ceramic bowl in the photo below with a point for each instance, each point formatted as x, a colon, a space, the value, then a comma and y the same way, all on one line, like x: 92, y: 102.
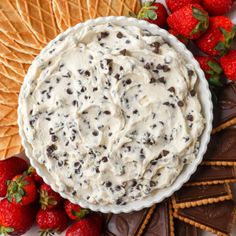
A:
x: 204, y: 96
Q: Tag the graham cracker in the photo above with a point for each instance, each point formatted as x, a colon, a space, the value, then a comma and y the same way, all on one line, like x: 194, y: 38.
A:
x: 224, y: 126
x: 39, y: 17
x: 11, y: 24
x: 98, y: 8
x: 70, y: 12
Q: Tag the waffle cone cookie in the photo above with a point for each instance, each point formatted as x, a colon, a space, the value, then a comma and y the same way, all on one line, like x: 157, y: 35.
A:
x: 9, y: 42
x: 39, y: 17
x: 10, y: 74
x: 9, y: 99
x: 10, y: 146
x: 14, y: 55
x: 7, y: 131
x: 99, y: 8
x: 8, y: 115
x: 19, y: 68
x: 70, y: 12
x: 8, y: 86
x: 12, y: 25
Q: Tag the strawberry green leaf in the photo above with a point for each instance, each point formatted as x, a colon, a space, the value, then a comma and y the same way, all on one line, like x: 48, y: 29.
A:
x: 224, y: 32
x: 221, y: 47
x: 215, y: 67
x: 215, y: 82
x: 198, y: 14
x: 151, y: 15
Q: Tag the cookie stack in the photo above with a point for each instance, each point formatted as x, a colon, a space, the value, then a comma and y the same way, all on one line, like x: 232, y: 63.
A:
x: 25, y: 28
x: 205, y: 202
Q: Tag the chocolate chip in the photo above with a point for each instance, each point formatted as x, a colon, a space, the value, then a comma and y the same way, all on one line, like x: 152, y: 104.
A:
x: 83, y: 89
x: 166, y: 68
x: 117, y: 188
x: 108, y: 184
x: 159, y: 67
x: 128, y: 81
x: 152, y: 184
x: 105, y: 159
x: 127, y: 41
x: 171, y: 89
x: 75, y: 103
x: 147, y: 66
x: 190, y: 117
x: 95, y: 89
x: 156, y: 50
x: 87, y: 73
x: 135, y: 111
x: 104, y: 34
x: 69, y: 91
x: 119, y: 35
x: 117, y: 76
x: 152, y: 80
x: 155, y: 44
x: 54, y: 138
x: 97, y: 170
x: 192, y: 93
x: 95, y: 133
x: 51, y: 149
x: 180, y: 103
x: 190, y: 73
x: 134, y: 183
x: 107, y: 112
x: 121, y: 68
x: 162, y: 80
x: 123, y: 52
x: 165, y: 153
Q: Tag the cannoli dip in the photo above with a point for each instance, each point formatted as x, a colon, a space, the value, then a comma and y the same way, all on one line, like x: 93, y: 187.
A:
x: 112, y: 113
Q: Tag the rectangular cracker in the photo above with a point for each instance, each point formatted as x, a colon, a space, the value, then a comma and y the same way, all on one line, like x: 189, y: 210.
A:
x: 184, y: 229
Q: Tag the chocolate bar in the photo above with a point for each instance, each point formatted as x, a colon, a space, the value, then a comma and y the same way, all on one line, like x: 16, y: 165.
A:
x: 226, y: 108
x: 190, y: 196
x: 161, y: 223
x: 222, y: 148
x: 213, y: 175
x: 217, y: 218
x: 183, y: 229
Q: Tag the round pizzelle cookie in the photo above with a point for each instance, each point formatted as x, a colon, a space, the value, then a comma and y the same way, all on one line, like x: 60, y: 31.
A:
x: 14, y: 55
x: 9, y: 146
x: 8, y: 115
x: 6, y: 131
x: 9, y: 42
x: 39, y: 17
x: 9, y: 99
x: 19, y: 68
x: 10, y: 74
x: 9, y: 86
x: 99, y: 8
x: 70, y: 12
x: 12, y: 25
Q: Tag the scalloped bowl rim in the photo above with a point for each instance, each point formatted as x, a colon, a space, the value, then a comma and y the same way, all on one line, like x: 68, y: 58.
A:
x: 204, y: 96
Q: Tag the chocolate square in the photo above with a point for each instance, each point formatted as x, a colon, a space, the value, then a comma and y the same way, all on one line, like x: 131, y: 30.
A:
x: 184, y: 229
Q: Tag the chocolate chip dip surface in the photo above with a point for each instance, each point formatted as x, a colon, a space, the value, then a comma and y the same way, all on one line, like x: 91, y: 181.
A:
x: 112, y: 113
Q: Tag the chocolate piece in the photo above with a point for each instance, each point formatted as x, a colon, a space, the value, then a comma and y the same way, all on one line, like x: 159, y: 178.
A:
x: 127, y: 224
x: 183, y: 229
x: 161, y: 223
x: 217, y: 218
x: 222, y: 148
x: 226, y: 108
x: 189, y: 196
x: 213, y: 175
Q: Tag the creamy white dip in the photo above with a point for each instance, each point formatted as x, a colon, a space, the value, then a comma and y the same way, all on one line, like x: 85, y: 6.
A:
x: 112, y: 113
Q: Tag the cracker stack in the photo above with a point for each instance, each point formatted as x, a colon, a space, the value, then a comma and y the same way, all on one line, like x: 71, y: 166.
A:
x: 26, y: 26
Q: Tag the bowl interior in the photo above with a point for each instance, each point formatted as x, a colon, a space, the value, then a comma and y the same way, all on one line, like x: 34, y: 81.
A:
x: 204, y: 96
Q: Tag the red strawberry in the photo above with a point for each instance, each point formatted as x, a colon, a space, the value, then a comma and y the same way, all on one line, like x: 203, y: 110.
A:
x: 8, y: 169
x: 211, y: 68
x: 178, y: 36
x: 154, y: 13
x: 75, y: 212
x: 217, y: 7
x: 219, y: 37
x: 48, y: 198
x: 33, y: 174
x: 90, y: 226
x: 174, y: 5
x: 191, y: 21
x: 21, y: 190
x: 228, y: 63
x: 51, y: 220
x: 15, y: 220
